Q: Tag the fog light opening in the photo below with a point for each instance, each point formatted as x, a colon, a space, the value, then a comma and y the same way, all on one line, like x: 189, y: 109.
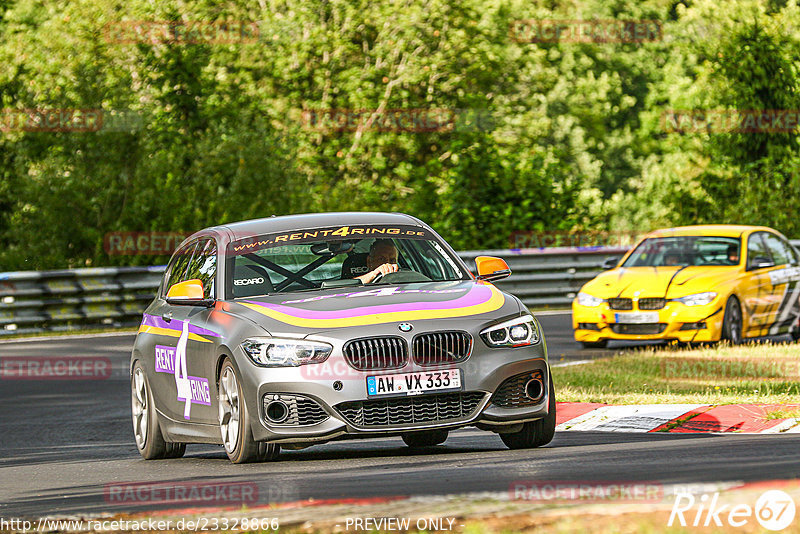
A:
x: 534, y: 389
x: 276, y: 412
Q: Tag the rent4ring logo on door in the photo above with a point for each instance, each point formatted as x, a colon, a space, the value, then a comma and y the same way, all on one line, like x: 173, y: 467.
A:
x: 191, y: 389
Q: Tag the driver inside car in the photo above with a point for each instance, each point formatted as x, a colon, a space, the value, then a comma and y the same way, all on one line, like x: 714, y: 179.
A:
x: 382, y: 260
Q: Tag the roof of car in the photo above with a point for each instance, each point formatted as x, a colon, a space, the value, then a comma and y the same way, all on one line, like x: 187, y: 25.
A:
x: 286, y: 223
x: 725, y: 230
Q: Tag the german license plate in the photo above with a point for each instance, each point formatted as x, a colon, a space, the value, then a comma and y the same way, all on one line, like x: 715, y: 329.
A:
x: 414, y: 383
x: 637, y: 318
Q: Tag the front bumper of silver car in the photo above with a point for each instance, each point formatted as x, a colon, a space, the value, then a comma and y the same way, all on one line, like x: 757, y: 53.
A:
x: 321, y: 402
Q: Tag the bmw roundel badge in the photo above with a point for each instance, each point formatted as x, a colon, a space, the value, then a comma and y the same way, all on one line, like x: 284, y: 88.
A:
x: 405, y: 327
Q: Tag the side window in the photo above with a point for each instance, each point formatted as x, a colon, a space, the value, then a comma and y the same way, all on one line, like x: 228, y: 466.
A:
x: 203, y: 266
x: 177, y: 267
x: 757, y: 250
x: 781, y: 251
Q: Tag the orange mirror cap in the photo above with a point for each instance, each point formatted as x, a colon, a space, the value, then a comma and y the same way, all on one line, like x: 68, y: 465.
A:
x: 490, y: 267
x: 189, y: 289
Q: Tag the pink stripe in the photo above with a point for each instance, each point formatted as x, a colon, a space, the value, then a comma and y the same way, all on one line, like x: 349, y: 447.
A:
x: 476, y: 295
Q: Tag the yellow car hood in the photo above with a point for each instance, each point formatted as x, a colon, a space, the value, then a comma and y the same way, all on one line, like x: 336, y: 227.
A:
x: 669, y: 282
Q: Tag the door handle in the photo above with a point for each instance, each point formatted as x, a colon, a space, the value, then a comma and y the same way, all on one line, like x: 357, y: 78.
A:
x: 167, y: 317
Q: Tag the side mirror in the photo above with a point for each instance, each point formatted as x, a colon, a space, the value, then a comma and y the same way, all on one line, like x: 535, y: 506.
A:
x: 760, y: 262
x: 610, y: 263
x: 491, y: 268
x: 188, y: 293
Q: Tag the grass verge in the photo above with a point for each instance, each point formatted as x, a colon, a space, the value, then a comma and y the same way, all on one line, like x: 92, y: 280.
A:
x: 759, y: 373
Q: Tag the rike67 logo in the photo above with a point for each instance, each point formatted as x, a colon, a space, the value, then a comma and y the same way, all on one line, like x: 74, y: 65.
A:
x: 774, y: 510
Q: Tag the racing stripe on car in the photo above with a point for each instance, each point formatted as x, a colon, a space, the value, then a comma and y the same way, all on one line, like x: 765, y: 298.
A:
x: 145, y: 329
x: 480, y: 299
x: 152, y: 324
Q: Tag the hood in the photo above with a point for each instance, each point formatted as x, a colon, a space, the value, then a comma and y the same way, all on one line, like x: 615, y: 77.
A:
x: 669, y: 282
x: 318, y: 311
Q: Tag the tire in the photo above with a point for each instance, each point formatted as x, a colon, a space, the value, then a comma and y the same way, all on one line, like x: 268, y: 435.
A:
x: 795, y: 333
x: 535, y: 433
x: 235, y: 420
x: 732, y: 321
x: 429, y: 438
x: 146, y: 432
x: 595, y: 344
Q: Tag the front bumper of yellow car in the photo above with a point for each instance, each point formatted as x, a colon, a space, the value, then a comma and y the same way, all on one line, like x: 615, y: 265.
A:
x: 675, y: 321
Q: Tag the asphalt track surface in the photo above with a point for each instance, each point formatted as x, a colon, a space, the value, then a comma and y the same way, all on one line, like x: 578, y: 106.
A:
x: 63, y: 444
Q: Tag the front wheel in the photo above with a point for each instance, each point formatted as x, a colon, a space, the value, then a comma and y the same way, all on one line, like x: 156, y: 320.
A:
x: 429, y: 438
x: 234, y: 422
x: 732, y: 321
x: 149, y: 440
x: 535, y: 433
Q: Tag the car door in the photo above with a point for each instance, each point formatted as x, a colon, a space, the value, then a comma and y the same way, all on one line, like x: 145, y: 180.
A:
x: 785, y: 278
x: 756, y: 288
x: 203, y: 339
x: 183, y: 381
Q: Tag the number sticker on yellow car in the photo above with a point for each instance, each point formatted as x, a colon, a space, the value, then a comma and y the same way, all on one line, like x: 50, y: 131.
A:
x: 636, y: 318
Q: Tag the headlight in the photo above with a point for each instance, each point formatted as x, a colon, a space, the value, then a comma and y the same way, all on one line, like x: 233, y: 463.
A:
x: 514, y: 333
x: 585, y: 299
x: 278, y: 352
x: 698, y: 299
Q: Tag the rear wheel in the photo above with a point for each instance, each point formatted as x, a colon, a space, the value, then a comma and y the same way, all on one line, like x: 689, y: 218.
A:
x: 595, y: 344
x: 234, y: 422
x: 149, y: 440
x: 428, y: 438
x: 732, y: 321
x: 795, y: 331
x: 535, y: 433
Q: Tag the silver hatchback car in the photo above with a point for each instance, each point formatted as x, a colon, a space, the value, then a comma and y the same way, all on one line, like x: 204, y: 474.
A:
x: 296, y: 330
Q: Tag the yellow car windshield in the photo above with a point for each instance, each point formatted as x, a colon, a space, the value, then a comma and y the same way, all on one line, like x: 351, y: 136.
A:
x: 684, y: 251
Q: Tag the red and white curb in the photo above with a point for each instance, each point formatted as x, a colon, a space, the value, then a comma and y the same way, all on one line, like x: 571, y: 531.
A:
x: 739, y: 418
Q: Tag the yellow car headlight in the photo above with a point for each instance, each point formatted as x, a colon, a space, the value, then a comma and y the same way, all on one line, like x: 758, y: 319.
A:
x: 585, y: 299
x: 698, y: 299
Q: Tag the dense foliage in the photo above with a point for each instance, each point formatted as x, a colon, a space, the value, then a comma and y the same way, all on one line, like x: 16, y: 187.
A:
x: 547, y: 136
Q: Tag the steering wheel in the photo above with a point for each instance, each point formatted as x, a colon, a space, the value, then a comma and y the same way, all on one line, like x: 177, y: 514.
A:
x: 403, y: 275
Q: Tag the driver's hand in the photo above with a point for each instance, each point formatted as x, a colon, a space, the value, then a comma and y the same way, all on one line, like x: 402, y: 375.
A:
x: 384, y: 269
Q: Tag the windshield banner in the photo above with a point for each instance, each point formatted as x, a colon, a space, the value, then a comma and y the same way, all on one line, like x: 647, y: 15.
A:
x: 332, y: 233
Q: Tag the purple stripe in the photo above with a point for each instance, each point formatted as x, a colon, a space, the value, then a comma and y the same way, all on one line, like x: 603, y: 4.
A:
x: 177, y: 326
x: 476, y: 295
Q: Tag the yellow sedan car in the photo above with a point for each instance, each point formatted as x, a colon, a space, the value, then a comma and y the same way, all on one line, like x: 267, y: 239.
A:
x: 693, y: 284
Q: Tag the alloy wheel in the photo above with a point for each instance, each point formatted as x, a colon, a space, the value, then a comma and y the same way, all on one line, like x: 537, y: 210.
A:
x: 229, y: 409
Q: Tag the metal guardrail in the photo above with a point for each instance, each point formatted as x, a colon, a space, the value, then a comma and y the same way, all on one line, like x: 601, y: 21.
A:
x: 33, y: 301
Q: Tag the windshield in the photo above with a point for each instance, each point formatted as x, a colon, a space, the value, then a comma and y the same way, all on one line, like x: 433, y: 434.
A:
x: 685, y: 251
x: 337, y: 257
